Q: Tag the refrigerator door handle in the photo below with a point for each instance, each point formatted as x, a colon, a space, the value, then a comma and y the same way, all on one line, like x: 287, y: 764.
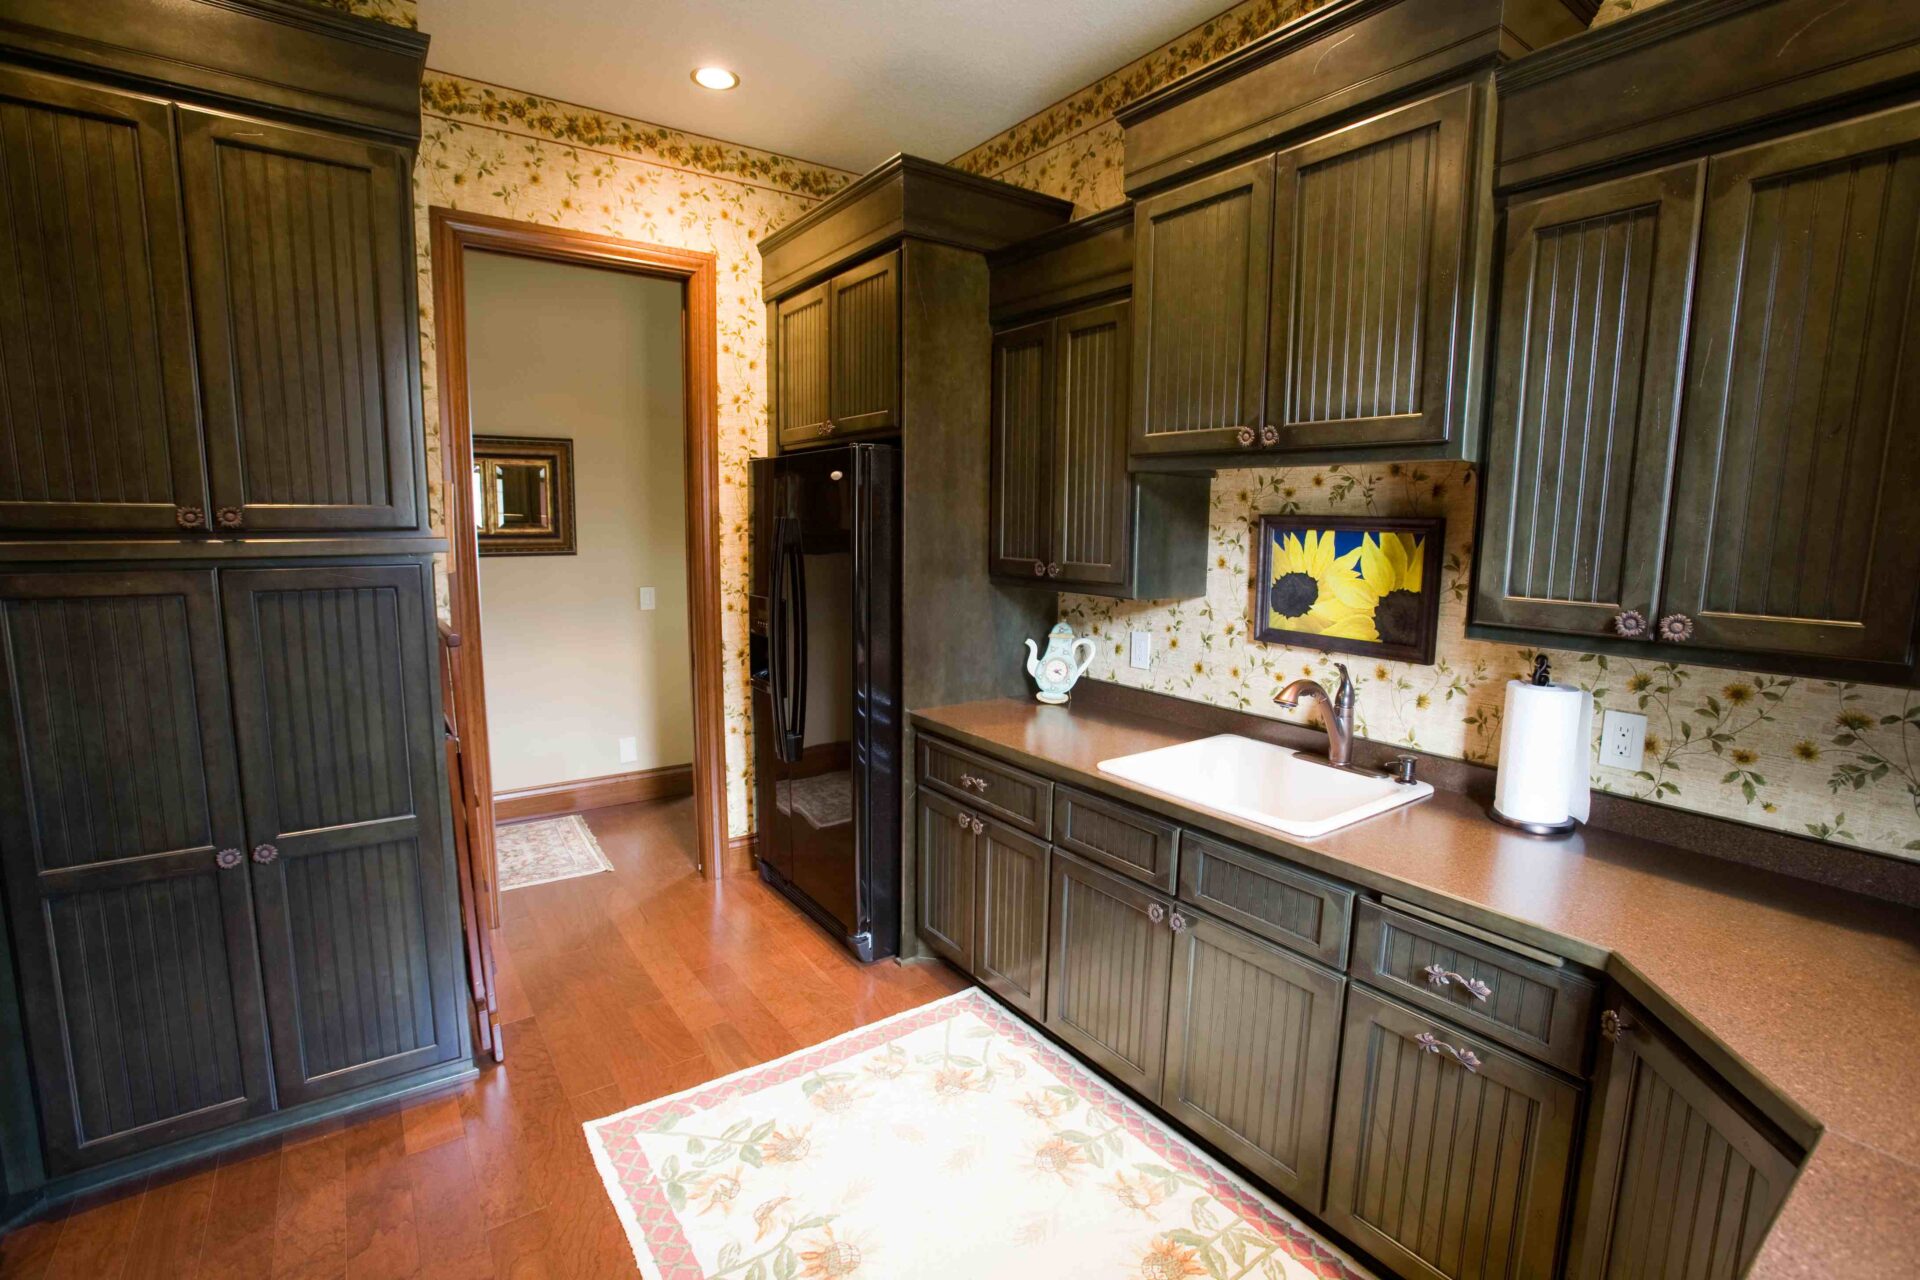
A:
x: 777, y: 638
x: 795, y: 730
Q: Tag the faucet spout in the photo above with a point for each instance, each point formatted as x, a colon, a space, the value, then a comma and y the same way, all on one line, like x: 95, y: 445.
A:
x: 1336, y: 711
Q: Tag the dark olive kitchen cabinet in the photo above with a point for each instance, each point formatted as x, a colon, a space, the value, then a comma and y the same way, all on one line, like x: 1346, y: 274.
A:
x: 1678, y: 1179
x: 1020, y: 493
x: 1107, y: 982
x: 121, y: 835
x: 801, y: 345
x: 836, y: 356
x: 1011, y: 881
x: 98, y: 420
x: 1451, y: 1157
x: 946, y: 844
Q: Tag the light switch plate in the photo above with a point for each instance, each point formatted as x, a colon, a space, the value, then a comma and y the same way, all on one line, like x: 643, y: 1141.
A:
x: 629, y: 750
x: 1623, y: 740
x: 1140, y: 649
x: 646, y: 598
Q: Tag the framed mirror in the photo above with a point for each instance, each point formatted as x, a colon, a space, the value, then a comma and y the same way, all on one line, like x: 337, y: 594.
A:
x: 523, y: 495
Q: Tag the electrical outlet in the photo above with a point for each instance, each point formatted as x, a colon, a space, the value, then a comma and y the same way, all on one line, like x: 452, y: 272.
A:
x: 646, y: 598
x: 1140, y: 649
x: 1623, y: 740
x: 629, y: 750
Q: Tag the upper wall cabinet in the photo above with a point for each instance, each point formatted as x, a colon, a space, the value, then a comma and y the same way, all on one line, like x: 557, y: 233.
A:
x: 1700, y: 445
x: 836, y: 368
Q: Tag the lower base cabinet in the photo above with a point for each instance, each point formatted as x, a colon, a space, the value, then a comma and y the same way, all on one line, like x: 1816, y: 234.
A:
x: 1450, y: 1158
x: 983, y: 899
x: 1107, y: 985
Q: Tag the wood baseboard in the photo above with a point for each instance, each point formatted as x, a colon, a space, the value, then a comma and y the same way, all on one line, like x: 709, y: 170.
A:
x: 739, y: 856
x: 558, y: 798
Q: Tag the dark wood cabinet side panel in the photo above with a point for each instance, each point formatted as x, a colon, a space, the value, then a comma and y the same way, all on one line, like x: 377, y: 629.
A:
x: 1020, y: 520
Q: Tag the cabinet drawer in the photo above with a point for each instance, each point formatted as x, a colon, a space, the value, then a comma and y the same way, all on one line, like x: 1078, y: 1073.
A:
x: 1127, y: 840
x: 1266, y: 897
x: 1532, y: 1007
x: 999, y: 791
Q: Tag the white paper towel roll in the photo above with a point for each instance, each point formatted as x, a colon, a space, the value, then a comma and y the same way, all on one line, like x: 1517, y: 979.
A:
x: 1546, y: 755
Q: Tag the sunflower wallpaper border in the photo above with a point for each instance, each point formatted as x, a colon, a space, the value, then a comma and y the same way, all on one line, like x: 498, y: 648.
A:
x: 1364, y: 585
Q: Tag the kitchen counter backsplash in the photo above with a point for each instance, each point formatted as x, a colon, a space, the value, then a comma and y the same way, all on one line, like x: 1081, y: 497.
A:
x: 1834, y: 760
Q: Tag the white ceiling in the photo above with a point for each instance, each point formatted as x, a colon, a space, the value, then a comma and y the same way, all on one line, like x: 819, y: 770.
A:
x: 842, y: 82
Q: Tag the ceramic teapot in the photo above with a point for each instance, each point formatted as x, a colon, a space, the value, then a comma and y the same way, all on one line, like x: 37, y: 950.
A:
x: 1055, y: 670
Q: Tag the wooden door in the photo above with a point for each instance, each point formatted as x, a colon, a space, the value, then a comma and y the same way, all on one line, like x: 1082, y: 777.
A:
x: 1450, y: 1157
x: 1200, y: 267
x: 946, y: 876
x: 1795, y: 529
x: 339, y: 751
x: 1253, y: 1034
x: 1586, y: 400
x: 800, y: 409
x: 1370, y: 277
x: 303, y: 301
x: 1010, y: 946
x: 98, y: 419
x: 121, y: 831
x: 864, y: 391
x: 1112, y: 957
x: 1093, y: 498
x: 1020, y: 523
x: 1677, y: 1180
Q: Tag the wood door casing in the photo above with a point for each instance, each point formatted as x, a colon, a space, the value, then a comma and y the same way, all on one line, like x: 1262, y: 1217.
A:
x: 1586, y: 399
x: 1369, y: 270
x: 1676, y: 1180
x: 1442, y: 1172
x: 1091, y: 500
x: 864, y: 316
x: 947, y: 877
x: 141, y: 986
x: 99, y: 418
x: 1253, y: 1035
x: 800, y: 373
x: 1795, y: 531
x: 303, y: 303
x: 333, y: 696
x: 1010, y: 898
x: 1020, y: 522
x: 1109, y: 971
x: 1200, y: 273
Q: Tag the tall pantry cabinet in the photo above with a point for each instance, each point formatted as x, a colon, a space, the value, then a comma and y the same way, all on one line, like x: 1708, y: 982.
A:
x: 228, y: 885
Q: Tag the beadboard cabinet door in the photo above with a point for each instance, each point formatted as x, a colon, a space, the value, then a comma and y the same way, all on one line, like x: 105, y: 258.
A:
x: 946, y: 876
x: 1202, y: 252
x: 1020, y: 520
x: 1010, y: 896
x: 1369, y: 324
x: 120, y: 834
x: 801, y: 342
x: 1585, y: 402
x: 1107, y: 984
x: 99, y: 425
x: 1092, y: 501
x: 864, y: 391
x: 1252, y: 1039
x: 1795, y: 527
x: 334, y: 698
x: 303, y: 299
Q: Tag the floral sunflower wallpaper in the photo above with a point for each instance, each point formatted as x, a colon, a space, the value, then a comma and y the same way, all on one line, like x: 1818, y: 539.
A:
x: 1815, y: 757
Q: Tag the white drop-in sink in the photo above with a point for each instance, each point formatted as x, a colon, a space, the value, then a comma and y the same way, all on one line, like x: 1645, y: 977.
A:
x: 1262, y: 783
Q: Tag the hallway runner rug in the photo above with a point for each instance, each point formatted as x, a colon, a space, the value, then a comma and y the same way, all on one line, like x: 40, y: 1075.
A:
x: 945, y: 1142
x: 546, y: 850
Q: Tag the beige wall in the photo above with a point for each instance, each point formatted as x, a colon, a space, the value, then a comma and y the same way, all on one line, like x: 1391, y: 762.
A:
x: 573, y: 664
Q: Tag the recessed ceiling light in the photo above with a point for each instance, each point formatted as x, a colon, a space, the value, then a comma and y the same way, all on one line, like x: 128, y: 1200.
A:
x: 716, y: 78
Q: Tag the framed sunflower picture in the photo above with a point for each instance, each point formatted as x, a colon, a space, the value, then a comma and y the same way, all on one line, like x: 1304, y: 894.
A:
x: 1349, y: 584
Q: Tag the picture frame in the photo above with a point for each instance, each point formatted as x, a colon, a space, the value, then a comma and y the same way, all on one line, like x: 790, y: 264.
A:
x: 523, y: 502
x: 1363, y: 585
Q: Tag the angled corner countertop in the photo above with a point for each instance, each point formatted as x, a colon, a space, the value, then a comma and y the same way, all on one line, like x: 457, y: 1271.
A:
x: 1813, y: 991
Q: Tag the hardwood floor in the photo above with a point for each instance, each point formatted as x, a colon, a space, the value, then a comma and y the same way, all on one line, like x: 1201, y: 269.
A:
x: 614, y: 990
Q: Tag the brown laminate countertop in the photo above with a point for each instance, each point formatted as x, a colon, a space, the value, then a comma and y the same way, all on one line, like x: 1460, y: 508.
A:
x: 1814, y: 990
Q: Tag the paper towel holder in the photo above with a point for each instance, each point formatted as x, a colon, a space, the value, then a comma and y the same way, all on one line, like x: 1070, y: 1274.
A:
x: 1540, y: 675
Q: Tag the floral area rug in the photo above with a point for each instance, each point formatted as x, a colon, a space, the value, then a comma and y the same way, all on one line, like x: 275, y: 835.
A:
x: 547, y: 850
x: 949, y: 1141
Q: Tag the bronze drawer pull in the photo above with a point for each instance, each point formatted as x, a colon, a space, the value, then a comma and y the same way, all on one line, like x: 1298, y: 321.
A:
x: 1630, y: 624
x: 972, y: 783
x: 1675, y: 628
x: 1269, y: 435
x: 264, y: 854
x: 1053, y: 570
x: 828, y: 427
x: 1039, y: 569
x: 1156, y: 912
x: 970, y: 823
x: 230, y: 517
x: 228, y: 859
x: 1177, y: 922
x: 190, y: 517
x: 1441, y: 977
x: 1433, y: 1044
x: 1244, y: 435
x: 1614, y: 1025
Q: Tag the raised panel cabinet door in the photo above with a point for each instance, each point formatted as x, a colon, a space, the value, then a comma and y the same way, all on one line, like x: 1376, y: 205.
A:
x: 1450, y: 1157
x: 303, y: 303
x: 1107, y: 980
x: 99, y: 424
x: 800, y: 409
x: 1010, y: 946
x: 1370, y: 253
x: 1794, y: 527
x: 1020, y: 520
x: 1093, y: 498
x: 1676, y: 1182
x: 946, y: 876
x: 1253, y: 1034
x: 1202, y: 252
x: 120, y: 834
x: 1586, y: 399
x: 864, y: 389
x: 340, y: 758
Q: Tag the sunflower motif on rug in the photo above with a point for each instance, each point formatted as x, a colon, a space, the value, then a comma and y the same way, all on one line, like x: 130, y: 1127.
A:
x: 949, y: 1141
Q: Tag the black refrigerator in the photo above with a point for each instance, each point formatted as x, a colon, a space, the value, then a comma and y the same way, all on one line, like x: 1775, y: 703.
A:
x: 824, y: 664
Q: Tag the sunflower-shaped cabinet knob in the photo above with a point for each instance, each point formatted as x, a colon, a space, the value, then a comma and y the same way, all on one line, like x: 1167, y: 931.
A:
x: 1056, y: 670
